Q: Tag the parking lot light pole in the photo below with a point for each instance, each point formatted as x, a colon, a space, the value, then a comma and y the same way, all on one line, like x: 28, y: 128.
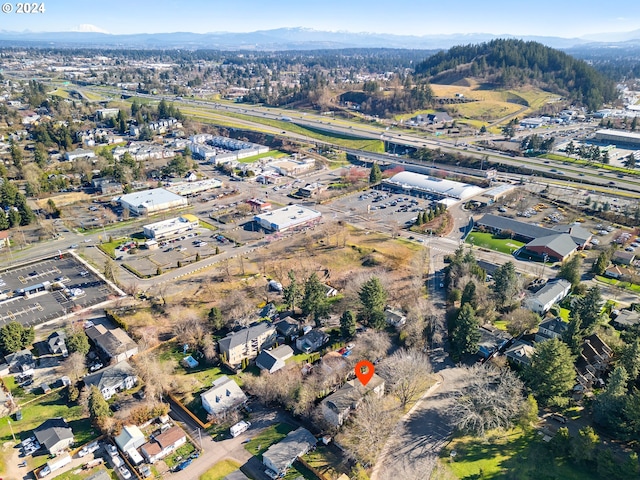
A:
x: 11, y: 428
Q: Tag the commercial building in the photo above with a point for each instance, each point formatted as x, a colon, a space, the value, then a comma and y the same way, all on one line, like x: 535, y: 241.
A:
x: 173, y: 226
x: 191, y: 188
x: 151, y: 201
x: 416, y: 182
x: 279, y: 457
x: 521, y: 231
x: 496, y: 193
x: 618, y: 137
x: 286, y: 218
x: 554, y: 247
x: 544, y: 298
x: 219, y: 150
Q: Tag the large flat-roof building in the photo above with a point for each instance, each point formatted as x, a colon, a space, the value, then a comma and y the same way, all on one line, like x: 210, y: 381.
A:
x: 190, y: 188
x: 618, y: 137
x: 288, y: 217
x: 151, y: 201
x: 173, y: 226
x: 425, y: 184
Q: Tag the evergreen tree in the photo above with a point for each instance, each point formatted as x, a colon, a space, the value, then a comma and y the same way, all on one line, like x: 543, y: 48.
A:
x: 14, y: 218
x: 375, y: 176
x: 505, y: 282
x: 40, y: 155
x: 574, y: 334
x: 373, y: 298
x: 588, y: 307
x: 630, y: 359
x: 348, y: 324
x: 469, y: 295
x: 314, y: 300
x: 98, y: 406
x: 601, y: 263
x: 292, y: 293
x: 464, y: 334
x: 215, y: 318
x: 4, y: 221
x: 583, y: 447
x: 608, y: 406
x: 77, y: 341
x: 550, y: 374
x: 14, y: 337
x: 570, y: 270
x: 26, y: 214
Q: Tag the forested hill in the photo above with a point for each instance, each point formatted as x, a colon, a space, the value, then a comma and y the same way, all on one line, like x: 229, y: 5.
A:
x: 512, y: 63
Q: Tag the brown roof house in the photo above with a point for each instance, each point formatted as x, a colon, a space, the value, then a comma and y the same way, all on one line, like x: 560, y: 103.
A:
x: 163, y: 444
x: 593, y: 360
x: 337, y: 406
x: 115, y: 344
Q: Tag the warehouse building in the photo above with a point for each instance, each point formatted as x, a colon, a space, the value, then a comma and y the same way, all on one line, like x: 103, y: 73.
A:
x: 418, y: 183
x: 151, y: 201
x: 618, y: 137
x: 287, y: 218
x: 191, y: 188
x: 173, y: 226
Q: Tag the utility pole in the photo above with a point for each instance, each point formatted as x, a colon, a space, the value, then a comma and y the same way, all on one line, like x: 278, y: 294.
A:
x: 11, y: 428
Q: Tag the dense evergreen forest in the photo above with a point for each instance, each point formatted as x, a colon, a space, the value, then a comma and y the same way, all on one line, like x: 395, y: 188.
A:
x: 512, y: 63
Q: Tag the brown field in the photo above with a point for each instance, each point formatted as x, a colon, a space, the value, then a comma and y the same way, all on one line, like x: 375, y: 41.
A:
x: 66, y: 199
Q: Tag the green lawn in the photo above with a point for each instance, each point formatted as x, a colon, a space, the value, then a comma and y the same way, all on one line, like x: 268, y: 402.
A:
x: 272, y: 153
x: 491, y: 242
x: 617, y: 283
x: 499, y: 456
x: 271, y: 435
x: 564, y: 314
x: 180, y: 454
x: 220, y: 470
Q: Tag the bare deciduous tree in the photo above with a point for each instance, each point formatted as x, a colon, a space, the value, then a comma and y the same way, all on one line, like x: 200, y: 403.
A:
x: 521, y: 320
x: 372, y: 345
x: 407, y: 374
x: 75, y: 366
x: 155, y: 374
x: 492, y: 398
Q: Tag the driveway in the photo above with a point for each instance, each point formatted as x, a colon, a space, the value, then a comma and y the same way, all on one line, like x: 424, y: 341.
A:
x: 424, y: 431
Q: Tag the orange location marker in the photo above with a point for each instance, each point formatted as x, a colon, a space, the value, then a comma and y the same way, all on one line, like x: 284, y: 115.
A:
x: 364, y: 371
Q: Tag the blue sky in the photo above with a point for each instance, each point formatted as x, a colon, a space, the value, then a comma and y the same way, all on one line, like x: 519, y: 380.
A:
x: 563, y: 18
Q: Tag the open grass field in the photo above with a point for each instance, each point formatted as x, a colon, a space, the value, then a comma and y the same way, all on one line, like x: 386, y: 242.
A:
x: 272, y: 153
x: 489, y: 241
x: 269, y: 436
x: 220, y: 470
x: 618, y: 283
x: 502, y: 453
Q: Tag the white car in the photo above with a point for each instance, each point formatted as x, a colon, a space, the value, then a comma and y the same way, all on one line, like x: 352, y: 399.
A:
x: 124, y: 471
x: 112, y: 450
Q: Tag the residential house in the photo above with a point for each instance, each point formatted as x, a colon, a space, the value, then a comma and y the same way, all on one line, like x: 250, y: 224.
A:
x: 626, y: 319
x: 520, y: 353
x: 114, y: 344
x: 491, y: 340
x: 79, y: 153
x: 552, y: 328
x: 4, y: 238
x: 338, y: 406
x: 112, y: 379
x: 56, y: 343
x: 593, y: 360
x: 163, y: 444
x: 618, y: 272
x: 279, y: 457
x: 55, y: 435
x: 623, y: 257
x: 312, y: 341
x: 287, y: 327
x: 130, y: 438
x: 247, y: 343
x: 553, y: 292
x: 274, y: 360
x: 21, y: 361
x: 329, y: 291
x: 395, y: 317
x: 223, y: 396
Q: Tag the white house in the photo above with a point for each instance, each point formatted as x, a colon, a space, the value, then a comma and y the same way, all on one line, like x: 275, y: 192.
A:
x: 544, y: 298
x: 130, y: 437
x: 112, y: 379
x: 279, y: 457
x: 224, y: 395
x: 163, y: 444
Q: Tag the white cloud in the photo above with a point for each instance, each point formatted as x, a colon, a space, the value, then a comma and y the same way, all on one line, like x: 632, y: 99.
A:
x: 87, y: 27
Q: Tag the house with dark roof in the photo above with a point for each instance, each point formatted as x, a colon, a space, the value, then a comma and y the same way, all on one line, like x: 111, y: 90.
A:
x: 552, y: 328
x: 581, y: 236
x: 55, y: 435
x: 247, y: 343
x: 520, y: 353
x: 556, y: 247
x: 312, y: 341
x: 338, y: 406
x: 593, y: 361
x: 114, y: 344
x: 287, y: 327
x: 21, y: 361
x: 274, y: 360
x: 521, y: 231
x: 163, y: 444
x: 112, y: 379
x: 623, y: 258
x: 491, y: 340
x: 553, y: 292
x: 279, y: 457
x: 57, y: 343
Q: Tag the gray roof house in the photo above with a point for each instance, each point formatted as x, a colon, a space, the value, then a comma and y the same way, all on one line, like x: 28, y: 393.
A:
x: 20, y: 361
x: 56, y: 343
x: 626, y: 319
x: 312, y: 341
x: 224, y: 395
x: 541, y: 301
x: 520, y: 353
x: 337, y: 406
x: 395, y: 317
x: 287, y: 327
x: 247, y: 343
x: 491, y: 340
x: 623, y: 258
x: 279, y: 457
x: 274, y: 360
x: 552, y: 328
x: 113, y: 379
x: 54, y: 434
x: 115, y: 344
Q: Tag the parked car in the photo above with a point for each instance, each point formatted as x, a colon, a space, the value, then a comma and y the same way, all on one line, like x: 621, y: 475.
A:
x: 182, y: 465
x: 558, y: 418
x: 124, y: 471
x: 112, y: 450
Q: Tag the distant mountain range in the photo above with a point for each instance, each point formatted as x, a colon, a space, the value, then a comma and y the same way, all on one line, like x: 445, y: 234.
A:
x: 284, y: 39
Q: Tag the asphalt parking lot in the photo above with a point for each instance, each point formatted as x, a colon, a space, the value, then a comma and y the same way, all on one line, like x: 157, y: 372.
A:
x: 71, y: 286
